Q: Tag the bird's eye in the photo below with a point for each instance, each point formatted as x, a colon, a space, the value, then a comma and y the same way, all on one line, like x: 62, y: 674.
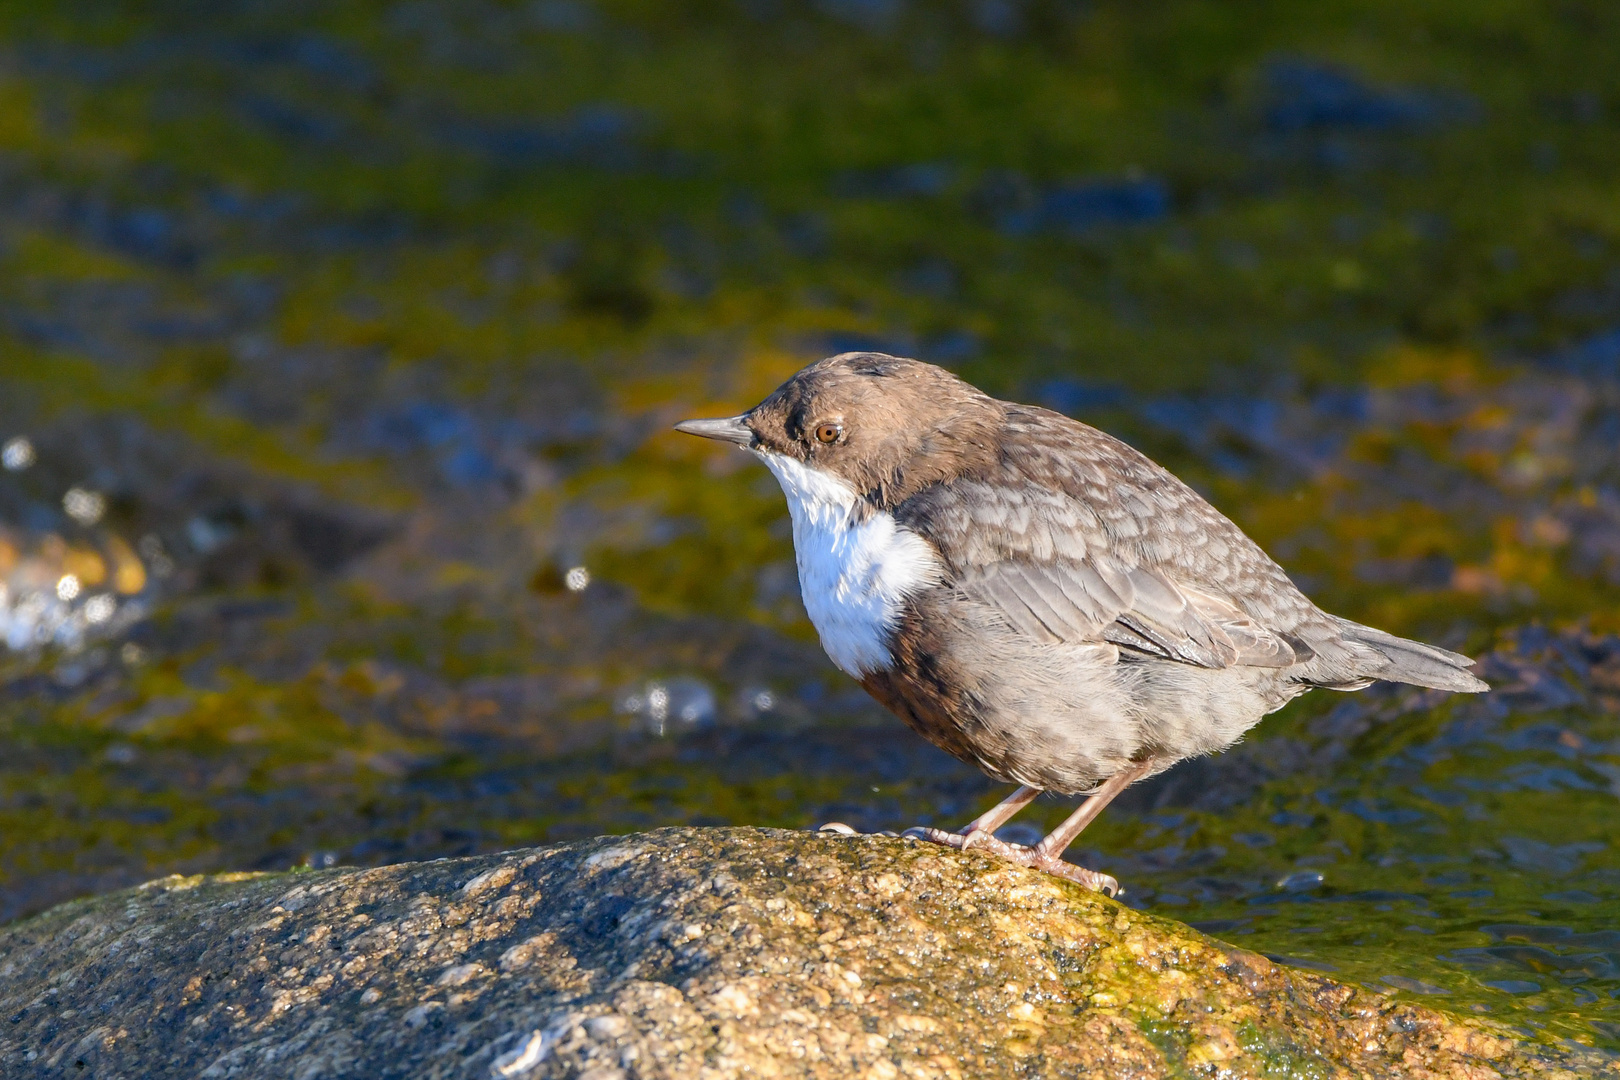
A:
x: 829, y: 433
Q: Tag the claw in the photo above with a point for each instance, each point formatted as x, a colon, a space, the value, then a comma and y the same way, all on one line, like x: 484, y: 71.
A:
x: 1091, y: 879
x: 838, y: 827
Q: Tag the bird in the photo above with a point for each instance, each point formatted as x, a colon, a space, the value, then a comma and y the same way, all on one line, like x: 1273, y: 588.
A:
x: 1036, y: 597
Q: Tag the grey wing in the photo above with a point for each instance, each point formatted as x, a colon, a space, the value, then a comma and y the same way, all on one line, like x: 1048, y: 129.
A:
x: 1137, y: 608
x: 1073, y: 536
x: 1077, y: 537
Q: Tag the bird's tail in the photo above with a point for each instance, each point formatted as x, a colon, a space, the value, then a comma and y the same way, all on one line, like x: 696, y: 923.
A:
x: 1401, y: 660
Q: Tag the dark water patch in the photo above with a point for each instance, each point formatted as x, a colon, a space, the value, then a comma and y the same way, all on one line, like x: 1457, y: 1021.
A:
x: 1383, y: 815
x: 327, y: 57
x: 1303, y: 94
x: 1331, y: 120
x: 294, y: 122
x: 1513, y: 986
x: 1300, y: 962
x: 1598, y: 355
x: 873, y: 16
x: 1075, y: 396
x: 1016, y: 207
x: 566, y: 16
x: 455, y: 438
x: 1000, y: 18
x: 1220, y: 926
x: 601, y: 136
x: 920, y: 180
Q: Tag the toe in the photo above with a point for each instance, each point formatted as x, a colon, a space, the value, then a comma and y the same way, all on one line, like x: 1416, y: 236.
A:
x: 1016, y: 853
x: 1091, y: 879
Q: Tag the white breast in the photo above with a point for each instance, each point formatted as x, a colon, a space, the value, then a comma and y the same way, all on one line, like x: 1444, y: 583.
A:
x: 853, y: 576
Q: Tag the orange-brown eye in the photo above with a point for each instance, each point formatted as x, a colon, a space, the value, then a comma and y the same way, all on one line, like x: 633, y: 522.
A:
x: 828, y: 433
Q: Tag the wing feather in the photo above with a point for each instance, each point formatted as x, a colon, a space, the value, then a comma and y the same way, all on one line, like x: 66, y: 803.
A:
x: 1062, y: 601
x: 1078, y: 538
x: 1042, y: 594
x: 1000, y: 592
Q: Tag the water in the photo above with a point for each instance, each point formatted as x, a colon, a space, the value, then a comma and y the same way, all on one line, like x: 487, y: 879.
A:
x: 340, y: 522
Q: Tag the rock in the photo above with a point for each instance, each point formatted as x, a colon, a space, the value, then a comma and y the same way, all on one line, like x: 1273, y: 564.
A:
x: 689, y: 953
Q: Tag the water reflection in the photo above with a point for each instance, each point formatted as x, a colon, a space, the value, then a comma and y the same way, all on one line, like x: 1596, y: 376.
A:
x: 49, y: 591
x: 17, y: 454
x: 672, y: 706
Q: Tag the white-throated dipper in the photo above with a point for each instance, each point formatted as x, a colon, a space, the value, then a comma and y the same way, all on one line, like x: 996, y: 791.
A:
x: 1034, y: 596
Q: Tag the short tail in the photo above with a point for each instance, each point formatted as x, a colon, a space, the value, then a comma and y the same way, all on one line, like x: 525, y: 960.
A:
x: 1401, y: 660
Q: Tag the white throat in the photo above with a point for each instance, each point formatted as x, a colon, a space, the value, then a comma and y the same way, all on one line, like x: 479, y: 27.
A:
x: 853, y: 575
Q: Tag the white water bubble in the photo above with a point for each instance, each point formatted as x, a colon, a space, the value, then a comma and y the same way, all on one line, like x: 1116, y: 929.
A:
x: 577, y: 578
x: 666, y: 706
x: 23, y: 623
x: 17, y: 454
x: 67, y: 587
x: 85, y: 507
x: 1301, y: 881
x: 100, y: 608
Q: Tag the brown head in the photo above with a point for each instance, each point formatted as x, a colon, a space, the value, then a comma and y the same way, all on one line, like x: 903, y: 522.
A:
x: 886, y: 426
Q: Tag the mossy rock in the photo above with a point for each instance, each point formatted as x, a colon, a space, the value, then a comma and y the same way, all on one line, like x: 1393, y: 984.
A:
x: 688, y: 953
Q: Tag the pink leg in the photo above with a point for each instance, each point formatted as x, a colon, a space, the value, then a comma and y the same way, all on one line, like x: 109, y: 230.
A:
x: 998, y: 815
x: 1048, y: 854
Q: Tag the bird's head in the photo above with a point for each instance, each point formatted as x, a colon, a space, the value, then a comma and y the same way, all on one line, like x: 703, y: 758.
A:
x: 883, y: 425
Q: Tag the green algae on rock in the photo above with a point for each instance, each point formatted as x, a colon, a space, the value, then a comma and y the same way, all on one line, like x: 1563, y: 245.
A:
x: 690, y: 952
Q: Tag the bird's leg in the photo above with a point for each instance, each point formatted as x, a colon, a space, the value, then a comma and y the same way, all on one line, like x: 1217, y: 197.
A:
x: 1048, y: 854
x: 985, y: 825
x: 980, y: 832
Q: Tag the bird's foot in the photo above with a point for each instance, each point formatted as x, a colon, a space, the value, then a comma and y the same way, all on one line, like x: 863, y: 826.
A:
x: 959, y: 840
x: 1091, y: 879
x: 1031, y: 857
x: 968, y: 840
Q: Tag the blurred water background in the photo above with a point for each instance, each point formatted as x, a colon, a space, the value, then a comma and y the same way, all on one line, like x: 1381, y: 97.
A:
x: 340, y: 522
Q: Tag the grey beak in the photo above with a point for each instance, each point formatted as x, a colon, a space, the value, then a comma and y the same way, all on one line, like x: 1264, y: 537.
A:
x: 732, y: 429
